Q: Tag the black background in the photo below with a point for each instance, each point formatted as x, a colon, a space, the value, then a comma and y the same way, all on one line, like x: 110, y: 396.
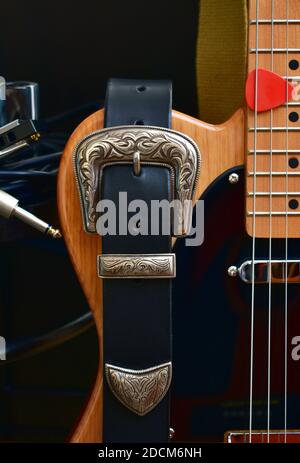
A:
x: 72, y: 47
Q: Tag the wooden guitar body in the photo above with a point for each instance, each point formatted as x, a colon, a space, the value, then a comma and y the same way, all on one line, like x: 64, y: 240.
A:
x: 222, y: 148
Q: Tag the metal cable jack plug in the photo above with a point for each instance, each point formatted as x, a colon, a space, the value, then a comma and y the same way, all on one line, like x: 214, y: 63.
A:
x: 9, y: 207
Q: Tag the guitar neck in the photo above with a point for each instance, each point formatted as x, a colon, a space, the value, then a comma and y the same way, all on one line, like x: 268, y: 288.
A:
x: 273, y: 138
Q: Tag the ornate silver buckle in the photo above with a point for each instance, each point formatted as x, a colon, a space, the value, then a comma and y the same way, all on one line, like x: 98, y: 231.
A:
x: 138, y: 145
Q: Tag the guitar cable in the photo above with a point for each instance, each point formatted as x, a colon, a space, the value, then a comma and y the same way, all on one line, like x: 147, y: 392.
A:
x: 9, y: 207
x: 24, y: 168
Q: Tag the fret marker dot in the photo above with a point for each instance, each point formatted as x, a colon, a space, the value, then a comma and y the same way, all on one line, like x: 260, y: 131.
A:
x: 293, y: 163
x: 293, y: 204
x: 293, y: 64
x: 294, y: 117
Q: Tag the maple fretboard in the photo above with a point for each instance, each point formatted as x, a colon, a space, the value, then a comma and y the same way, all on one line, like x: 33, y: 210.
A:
x: 273, y: 158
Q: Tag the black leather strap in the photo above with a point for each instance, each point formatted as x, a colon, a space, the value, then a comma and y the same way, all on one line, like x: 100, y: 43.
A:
x: 140, y: 102
x: 137, y: 312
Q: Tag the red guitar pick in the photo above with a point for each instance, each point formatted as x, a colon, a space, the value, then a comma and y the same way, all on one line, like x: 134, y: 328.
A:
x: 272, y: 90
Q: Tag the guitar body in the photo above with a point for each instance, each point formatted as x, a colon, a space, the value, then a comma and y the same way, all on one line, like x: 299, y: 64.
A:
x: 222, y: 148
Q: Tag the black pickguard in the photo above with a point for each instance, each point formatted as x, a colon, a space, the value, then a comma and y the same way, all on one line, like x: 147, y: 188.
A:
x: 212, y: 328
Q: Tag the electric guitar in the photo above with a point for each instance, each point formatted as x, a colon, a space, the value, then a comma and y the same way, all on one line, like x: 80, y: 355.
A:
x: 236, y: 297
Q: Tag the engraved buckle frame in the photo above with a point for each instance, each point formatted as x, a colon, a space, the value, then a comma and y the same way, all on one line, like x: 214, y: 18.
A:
x: 119, y: 145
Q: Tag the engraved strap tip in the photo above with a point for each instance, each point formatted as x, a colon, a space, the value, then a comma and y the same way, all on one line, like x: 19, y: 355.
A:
x: 139, y: 390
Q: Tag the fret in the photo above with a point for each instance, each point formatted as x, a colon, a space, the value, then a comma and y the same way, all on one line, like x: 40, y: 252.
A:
x: 274, y: 174
x: 266, y: 201
x: 274, y: 50
x: 274, y: 21
x: 274, y: 151
x: 272, y: 213
x: 274, y: 129
x: 273, y: 193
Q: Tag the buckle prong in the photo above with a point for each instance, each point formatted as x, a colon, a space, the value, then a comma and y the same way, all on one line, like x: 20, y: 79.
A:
x: 137, y: 163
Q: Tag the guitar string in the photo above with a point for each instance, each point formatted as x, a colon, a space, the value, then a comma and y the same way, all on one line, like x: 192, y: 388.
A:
x: 270, y: 238
x: 253, y: 228
x: 286, y: 236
